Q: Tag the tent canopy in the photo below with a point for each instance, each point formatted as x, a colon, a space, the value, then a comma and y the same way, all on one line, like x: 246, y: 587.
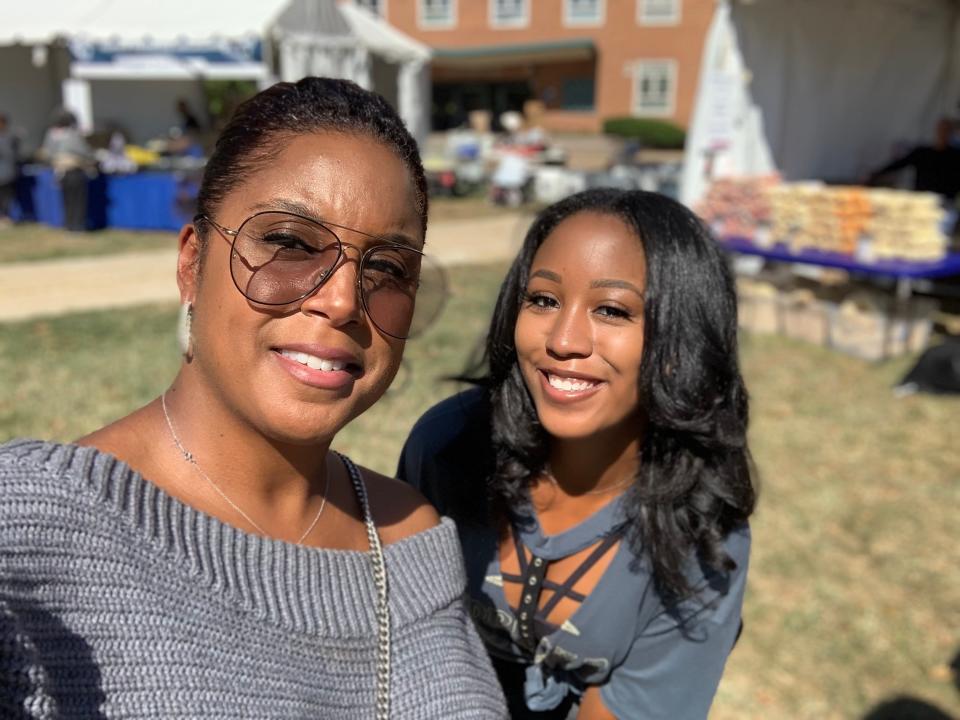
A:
x: 120, y: 42
x: 819, y: 89
x: 136, y: 21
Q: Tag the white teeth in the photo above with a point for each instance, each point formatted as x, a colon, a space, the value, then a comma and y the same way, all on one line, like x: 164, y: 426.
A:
x: 311, y: 361
x: 569, y: 384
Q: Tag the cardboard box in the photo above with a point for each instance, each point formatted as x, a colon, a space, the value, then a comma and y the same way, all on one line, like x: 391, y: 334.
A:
x: 758, y: 306
x: 806, y: 315
x: 866, y: 325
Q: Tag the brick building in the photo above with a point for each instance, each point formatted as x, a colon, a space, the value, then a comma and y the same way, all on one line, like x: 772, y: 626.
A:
x: 584, y: 60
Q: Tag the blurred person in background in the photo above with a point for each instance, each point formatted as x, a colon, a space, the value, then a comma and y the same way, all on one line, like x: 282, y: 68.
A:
x: 936, y: 167
x: 599, y: 473
x: 186, y: 139
x: 72, y: 159
x: 9, y: 168
x: 188, y: 121
x: 210, y: 555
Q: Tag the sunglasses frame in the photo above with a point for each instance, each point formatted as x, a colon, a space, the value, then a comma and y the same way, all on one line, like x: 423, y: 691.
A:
x: 231, y: 236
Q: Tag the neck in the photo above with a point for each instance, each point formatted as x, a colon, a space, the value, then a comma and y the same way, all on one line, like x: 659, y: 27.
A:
x: 260, y: 471
x: 594, y: 465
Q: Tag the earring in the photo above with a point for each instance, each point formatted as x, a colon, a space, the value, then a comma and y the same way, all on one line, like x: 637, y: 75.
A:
x: 185, y: 330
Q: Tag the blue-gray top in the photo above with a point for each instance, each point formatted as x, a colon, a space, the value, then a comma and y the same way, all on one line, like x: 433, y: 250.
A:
x: 651, y: 659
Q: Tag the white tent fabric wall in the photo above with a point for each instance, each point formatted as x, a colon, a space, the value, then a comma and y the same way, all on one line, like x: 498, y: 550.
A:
x: 817, y: 89
x: 303, y: 55
x: 29, y: 91
x: 312, y: 41
x: 414, y: 98
x: 413, y: 58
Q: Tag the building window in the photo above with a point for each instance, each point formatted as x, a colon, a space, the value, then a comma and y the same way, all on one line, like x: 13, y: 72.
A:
x: 432, y: 14
x: 577, y: 94
x: 583, y: 12
x: 658, y: 12
x: 377, y: 7
x: 654, y: 88
x: 509, y: 13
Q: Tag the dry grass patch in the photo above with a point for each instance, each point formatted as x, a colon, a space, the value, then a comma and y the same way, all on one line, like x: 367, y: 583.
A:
x: 854, y: 592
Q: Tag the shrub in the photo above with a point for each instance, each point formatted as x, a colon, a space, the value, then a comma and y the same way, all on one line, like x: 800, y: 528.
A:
x: 651, y: 133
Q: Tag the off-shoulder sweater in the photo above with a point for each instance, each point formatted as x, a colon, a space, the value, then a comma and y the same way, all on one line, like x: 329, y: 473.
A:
x: 119, y: 601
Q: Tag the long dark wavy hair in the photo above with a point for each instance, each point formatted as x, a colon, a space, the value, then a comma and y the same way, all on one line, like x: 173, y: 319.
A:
x: 694, y: 484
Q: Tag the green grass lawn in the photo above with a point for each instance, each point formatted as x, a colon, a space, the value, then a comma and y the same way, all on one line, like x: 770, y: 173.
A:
x: 854, y: 592
x: 29, y: 242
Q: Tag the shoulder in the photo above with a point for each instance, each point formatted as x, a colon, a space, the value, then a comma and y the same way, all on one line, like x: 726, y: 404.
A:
x: 449, y: 419
x: 721, y: 591
x: 47, y: 484
x: 448, y: 451
x: 27, y: 460
x: 398, y: 509
x: 736, y: 544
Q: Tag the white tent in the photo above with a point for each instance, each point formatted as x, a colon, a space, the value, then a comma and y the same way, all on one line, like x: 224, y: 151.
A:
x: 129, y: 61
x: 819, y: 89
x: 314, y: 42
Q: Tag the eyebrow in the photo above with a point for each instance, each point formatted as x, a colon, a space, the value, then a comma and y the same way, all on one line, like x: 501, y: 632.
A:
x: 291, y: 206
x: 617, y: 284
x: 546, y: 275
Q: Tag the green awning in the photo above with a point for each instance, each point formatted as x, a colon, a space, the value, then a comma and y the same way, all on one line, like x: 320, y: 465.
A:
x: 515, y: 54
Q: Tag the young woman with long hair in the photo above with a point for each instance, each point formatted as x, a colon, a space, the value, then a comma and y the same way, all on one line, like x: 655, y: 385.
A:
x: 599, y: 473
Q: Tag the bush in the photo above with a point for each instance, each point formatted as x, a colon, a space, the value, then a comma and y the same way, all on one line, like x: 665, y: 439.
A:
x: 651, y: 133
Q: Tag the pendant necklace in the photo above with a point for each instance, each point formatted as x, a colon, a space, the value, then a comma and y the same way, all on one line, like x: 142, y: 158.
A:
x: 596, y: 491
x: 188, y: 456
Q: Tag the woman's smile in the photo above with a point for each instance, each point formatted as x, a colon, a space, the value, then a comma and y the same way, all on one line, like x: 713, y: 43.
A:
x: 566, y: 387
x: 320, y: 367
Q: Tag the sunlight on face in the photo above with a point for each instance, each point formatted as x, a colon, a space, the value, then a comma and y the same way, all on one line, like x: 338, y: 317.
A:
x: 301, y: 372
x: 579, y: 334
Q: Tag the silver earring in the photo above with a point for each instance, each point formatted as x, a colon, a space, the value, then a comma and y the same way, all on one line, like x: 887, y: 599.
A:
x: 185, y: 330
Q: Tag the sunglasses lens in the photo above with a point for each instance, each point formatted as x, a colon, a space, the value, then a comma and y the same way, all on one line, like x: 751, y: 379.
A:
x: 279, y: 258
x: 403, y: 290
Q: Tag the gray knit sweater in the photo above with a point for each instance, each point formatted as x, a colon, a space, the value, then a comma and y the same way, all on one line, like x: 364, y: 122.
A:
x: 117, y: 600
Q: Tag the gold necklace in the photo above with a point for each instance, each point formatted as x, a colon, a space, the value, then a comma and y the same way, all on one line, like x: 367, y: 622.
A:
x: 596, y: 491
x: 188, y: 456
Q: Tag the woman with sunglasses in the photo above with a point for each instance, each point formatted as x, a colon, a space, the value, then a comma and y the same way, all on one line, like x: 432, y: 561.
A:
x: 599, y: 474
x: 209, y: 555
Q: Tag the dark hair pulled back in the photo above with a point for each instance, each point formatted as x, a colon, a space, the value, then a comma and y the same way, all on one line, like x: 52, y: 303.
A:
x: 256, y: 131
x: 694, y: 482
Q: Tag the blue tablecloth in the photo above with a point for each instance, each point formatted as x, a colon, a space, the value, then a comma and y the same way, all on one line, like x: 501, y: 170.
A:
x: 142, y: 201
x: 949, y: 265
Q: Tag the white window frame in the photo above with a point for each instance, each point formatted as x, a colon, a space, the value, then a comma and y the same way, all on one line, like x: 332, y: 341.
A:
x: 426, y: 24
x: 495, y: 22
x: 636, y: 71
x: 569, y: 20
x: 381, y: 13
x: 659, y: 20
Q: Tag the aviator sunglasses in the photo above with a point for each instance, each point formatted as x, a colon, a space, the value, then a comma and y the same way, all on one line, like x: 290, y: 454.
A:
x: 280, y: 258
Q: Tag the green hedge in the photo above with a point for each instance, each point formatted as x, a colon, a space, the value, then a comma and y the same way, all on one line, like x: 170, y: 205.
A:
x: 652, y: 133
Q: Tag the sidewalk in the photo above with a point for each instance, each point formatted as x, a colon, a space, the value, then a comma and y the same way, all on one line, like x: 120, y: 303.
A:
x: 54, y: 287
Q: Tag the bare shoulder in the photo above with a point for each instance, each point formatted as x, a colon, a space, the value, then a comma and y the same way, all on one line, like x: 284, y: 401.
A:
x: 111, y: 439
x: 123, y: 439
x: 399, y: 510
